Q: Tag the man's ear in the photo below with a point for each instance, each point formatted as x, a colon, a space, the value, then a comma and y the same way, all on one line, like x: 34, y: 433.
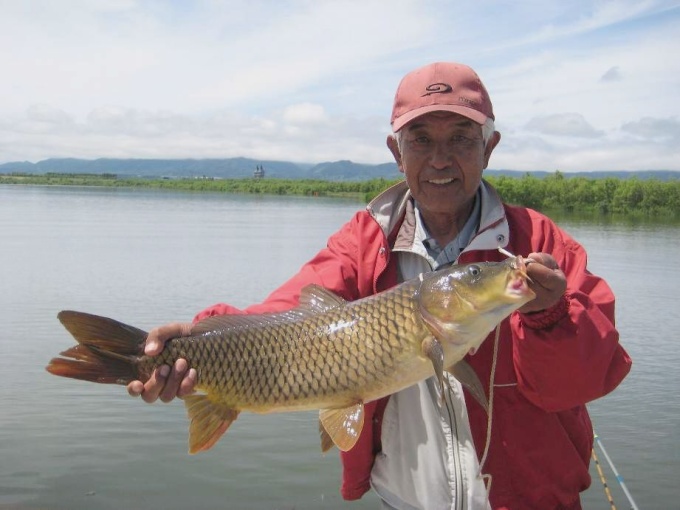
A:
x: 393, y: 146
x: 490, y: 146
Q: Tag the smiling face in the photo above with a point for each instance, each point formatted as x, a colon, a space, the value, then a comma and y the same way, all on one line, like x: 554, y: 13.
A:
x: 442, y: 156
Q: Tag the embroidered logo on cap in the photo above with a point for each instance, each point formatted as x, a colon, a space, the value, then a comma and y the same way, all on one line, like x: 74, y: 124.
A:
x: 438, y: 88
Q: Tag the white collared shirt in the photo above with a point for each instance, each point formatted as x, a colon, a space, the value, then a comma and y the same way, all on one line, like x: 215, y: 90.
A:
x: 428, y: 460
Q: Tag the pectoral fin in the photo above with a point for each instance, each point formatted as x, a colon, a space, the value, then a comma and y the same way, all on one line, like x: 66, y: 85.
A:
x: 434, y: 351
x: 468, y: 378
x: 209, y: 420
x: 341, y: 426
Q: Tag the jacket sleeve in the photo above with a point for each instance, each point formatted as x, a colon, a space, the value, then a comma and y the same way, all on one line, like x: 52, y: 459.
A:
x: 334, y: 267
x: 348, y: 266
x: 569, y: 354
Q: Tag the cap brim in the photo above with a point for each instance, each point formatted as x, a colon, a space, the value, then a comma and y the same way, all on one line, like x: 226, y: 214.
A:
x: 470, y: 113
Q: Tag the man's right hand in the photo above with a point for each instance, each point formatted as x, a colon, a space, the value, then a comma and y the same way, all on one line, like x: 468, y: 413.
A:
x: 165, y: 382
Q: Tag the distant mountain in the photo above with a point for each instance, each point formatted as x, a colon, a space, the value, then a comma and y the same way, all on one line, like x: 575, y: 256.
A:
x: 236, y: 168
x: 225, y: 168
x: 349, y: 171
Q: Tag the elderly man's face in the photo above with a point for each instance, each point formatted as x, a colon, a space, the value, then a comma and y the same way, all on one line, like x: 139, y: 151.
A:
x: 442, y: 156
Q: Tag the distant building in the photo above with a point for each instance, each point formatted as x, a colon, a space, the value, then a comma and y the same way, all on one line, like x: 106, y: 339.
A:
x: 259, y: 172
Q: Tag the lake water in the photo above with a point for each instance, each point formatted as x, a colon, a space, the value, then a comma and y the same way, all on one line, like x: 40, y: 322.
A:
x: 150, y: 257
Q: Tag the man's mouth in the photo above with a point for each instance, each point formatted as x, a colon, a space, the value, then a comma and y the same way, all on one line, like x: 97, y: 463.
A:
x: 441, y: 181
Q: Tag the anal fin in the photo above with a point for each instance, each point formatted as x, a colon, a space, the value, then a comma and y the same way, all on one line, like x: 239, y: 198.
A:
x: 341, y: 426
x: 209, y: 420
x: 326, y: 439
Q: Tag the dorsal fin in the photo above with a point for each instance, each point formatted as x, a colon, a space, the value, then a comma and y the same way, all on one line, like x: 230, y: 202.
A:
x: 241, y: 321
x: 314, y: 299
x: 317, y: 299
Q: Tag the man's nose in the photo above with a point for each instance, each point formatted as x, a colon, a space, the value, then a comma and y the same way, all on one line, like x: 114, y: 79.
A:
x: 441, y: 156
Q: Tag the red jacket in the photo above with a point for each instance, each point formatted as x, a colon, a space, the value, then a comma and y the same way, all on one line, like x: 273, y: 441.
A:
x: 549, y: 364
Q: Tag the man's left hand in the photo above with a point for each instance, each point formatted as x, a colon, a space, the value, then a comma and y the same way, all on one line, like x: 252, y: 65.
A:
x: 546, y: 279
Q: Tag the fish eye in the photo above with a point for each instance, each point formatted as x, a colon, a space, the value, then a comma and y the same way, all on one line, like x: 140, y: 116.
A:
x: 474, y: 270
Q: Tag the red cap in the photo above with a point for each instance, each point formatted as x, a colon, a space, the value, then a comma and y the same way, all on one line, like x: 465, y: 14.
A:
x: 442, y: 86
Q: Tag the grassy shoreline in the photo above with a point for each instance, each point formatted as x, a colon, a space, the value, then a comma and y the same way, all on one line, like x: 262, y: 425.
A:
x: 631, y: 197
x: 313, y: 188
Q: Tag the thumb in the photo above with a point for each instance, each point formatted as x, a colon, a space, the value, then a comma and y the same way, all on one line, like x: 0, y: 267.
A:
x: 155, y: 340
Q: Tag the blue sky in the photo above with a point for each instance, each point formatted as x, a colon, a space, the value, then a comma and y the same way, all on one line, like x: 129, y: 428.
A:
x: 577, y: 85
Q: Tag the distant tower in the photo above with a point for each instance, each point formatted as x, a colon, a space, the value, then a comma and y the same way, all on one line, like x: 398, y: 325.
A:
x: 259, y: 172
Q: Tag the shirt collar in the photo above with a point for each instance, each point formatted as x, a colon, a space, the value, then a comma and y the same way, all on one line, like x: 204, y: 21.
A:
x: 448, y: 254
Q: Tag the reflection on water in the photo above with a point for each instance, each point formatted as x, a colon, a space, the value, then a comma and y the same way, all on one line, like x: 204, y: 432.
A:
x: 148, y: 257
x: 613, y: 220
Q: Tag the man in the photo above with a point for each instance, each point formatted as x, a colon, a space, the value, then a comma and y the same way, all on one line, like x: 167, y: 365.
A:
x: 554, y: 355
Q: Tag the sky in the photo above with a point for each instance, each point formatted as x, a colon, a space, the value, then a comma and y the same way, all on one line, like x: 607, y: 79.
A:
x: 576, y: 85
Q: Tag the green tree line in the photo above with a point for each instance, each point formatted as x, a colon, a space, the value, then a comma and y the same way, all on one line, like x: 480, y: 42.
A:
x: 650, y: 197
x: 647, y: 197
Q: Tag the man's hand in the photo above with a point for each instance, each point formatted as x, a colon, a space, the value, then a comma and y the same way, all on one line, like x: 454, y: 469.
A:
x: 165, y: 382
x: 546, y: 279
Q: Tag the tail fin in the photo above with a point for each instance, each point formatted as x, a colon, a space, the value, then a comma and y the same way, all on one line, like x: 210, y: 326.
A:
x: 107, y: 352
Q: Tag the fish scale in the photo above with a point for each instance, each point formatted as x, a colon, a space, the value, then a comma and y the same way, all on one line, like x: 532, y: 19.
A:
x: 299, y: 363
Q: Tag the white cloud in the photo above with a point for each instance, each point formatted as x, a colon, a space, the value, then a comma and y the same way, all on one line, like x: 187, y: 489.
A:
x: 306, y: 114
x: 313, y: 81
x: 649, y: 128
x: 563, y: 124
x: 612, y: 74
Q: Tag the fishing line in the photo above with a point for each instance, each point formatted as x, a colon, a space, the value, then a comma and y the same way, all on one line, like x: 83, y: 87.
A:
x: 489, y: 423
x: 487, y: 477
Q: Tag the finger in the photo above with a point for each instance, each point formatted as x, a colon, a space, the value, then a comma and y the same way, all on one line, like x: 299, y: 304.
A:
x: 549, y: 279
x: 155, y: 384
x: 155, y: 340
x: 188, y: 384
x: 538, y: 272
x: 175, y: 378
x: 549, y: 287
x: 543, y: 259
x: 135, y: 388
x: 153, y: 345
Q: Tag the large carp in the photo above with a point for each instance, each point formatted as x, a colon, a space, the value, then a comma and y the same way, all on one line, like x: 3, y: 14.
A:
x: 326, y: 354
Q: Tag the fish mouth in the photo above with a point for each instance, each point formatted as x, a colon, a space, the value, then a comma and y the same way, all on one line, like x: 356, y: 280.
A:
x: 518, y: 280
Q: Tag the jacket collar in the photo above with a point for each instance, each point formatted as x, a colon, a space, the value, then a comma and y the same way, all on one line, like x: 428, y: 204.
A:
x: 393, y: 209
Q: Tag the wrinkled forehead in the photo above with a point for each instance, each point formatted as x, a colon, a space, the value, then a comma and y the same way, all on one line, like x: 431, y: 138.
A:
x: 442, y: 120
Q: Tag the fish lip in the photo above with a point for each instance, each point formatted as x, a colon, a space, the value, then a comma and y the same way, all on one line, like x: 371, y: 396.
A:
x: 519, y: 264
x: 518, y: 280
